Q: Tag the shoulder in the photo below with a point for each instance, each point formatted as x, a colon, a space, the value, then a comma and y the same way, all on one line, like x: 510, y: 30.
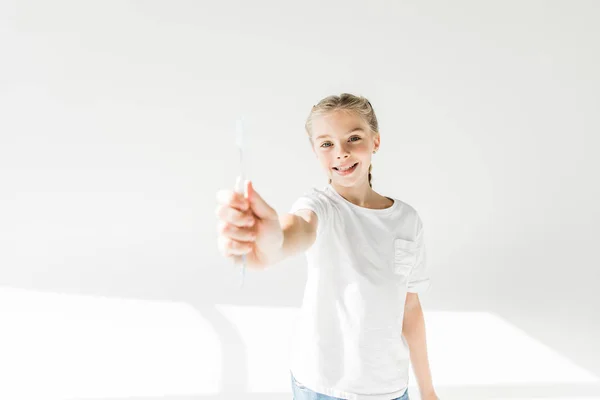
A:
x: 403, y: 206
x: 313, y: 206
x: 322, y: 192
x: 408, y: 213
x: 313, y: 195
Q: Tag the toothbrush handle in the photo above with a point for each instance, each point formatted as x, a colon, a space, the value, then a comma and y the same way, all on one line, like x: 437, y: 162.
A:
x: 239, y: 188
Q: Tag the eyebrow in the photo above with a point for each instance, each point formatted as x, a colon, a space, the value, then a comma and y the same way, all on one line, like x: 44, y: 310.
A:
x: 347, y: 133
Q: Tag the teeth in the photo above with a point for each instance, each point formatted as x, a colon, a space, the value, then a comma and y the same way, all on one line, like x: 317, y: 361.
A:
x: 346, y: 169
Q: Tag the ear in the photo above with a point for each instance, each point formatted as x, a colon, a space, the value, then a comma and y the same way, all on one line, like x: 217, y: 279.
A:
x: 376, y: 141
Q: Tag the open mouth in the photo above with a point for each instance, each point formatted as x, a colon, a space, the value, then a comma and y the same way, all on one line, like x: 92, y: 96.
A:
x: 346, y: 171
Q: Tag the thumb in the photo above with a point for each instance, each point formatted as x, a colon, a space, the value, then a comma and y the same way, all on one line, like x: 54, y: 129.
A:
x: 259, y: 207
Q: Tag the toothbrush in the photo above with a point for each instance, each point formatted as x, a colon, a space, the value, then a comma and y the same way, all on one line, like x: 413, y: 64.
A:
x: 239, y: 186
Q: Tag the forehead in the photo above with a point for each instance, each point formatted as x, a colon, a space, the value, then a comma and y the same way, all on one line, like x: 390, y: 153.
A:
x: 337, y: 123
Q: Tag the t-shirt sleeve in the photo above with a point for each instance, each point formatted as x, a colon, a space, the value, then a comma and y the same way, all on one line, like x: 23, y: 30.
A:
x: 419, y: 280
x: 315, y: 201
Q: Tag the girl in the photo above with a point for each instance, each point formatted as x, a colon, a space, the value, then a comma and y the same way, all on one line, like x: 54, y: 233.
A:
x: 361, y: 321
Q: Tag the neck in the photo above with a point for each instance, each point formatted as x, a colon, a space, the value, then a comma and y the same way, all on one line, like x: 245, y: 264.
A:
x: 360, y: 194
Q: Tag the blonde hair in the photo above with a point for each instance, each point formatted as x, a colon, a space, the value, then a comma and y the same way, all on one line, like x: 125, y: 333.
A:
x: 345, y: 102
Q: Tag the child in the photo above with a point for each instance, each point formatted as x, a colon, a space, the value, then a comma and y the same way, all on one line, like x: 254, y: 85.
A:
x: 361, y: 320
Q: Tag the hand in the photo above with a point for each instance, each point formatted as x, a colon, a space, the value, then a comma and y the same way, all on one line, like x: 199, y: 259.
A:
x: 248, y: 226
x: 430, y: 396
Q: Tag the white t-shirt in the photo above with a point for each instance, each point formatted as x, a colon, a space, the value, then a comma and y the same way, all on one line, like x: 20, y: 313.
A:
x: 347, y: 341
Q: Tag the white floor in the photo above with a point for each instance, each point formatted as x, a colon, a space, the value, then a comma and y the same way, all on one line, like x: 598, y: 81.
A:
x: 59, y: 346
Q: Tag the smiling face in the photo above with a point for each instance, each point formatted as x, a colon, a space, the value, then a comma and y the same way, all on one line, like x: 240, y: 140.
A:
x: 343, y: 139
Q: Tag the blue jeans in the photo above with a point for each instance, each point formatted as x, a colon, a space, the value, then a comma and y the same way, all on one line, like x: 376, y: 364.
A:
x: 303, y: 393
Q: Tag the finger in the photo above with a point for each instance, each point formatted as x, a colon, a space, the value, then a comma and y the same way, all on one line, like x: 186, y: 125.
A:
x: 229, y: 247
x: 258, y: 205
x: 235, y: 247
x: 244, y: 234
x: 234, y: 216
x: 232, y: 199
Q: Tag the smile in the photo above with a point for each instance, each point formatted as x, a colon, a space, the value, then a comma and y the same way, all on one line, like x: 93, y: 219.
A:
x: 346, y: 171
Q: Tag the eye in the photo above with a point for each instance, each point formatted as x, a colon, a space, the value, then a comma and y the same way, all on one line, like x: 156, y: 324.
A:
x: 353, y: 137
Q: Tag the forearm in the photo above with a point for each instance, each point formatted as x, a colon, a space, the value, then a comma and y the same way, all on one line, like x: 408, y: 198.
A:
x: 413, y: 331
x: 296, y: 238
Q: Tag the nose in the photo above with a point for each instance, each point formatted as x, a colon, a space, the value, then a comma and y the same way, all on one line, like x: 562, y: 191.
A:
x: 343, y: 153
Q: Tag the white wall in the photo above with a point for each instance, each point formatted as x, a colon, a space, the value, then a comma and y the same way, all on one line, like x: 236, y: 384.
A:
x: 117, y: 128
